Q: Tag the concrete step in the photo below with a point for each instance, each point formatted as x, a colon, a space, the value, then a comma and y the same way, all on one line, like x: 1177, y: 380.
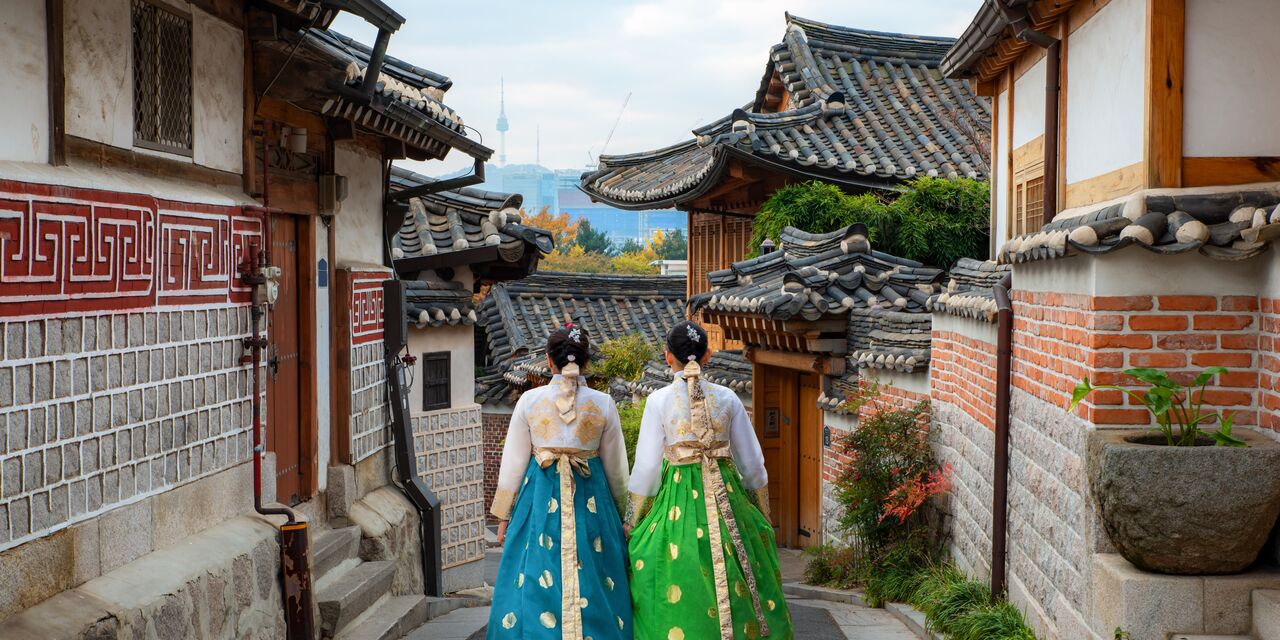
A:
x: 331, y: 547
x: 463, y: 624
x: 389, y: 619
x: 1266, y: 614
x: 347, y: 595
x: 1185, y: 636
x: 913, y: 619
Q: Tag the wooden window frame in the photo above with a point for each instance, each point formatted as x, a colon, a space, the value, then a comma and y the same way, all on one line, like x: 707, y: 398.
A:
x: 447, y: 403
x: 138, y: 140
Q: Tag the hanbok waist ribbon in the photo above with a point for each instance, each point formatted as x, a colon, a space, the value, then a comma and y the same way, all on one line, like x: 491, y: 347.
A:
x: 567, y: 461
x: 718, y: 507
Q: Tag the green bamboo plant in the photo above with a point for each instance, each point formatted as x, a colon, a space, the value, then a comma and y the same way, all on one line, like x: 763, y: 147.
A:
x: 1178, y: 408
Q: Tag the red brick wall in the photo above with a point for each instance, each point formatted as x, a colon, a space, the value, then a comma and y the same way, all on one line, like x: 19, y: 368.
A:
x: 493, y: 435
x: 1061, y: 338
x: 963, y: 373
x: 1269, y: 364
x: 834, y: 459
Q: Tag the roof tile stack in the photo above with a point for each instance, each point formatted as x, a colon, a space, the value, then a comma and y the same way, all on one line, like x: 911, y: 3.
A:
x: 968, y: 293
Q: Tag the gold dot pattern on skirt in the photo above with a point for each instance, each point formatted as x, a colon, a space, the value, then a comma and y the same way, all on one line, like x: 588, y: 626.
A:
x: 548, y: 619
x: 608, y: 583
x: 673, y: 593
x: 509, y: 620
x: 695, y: 494
x: 711, y: 612
x: 520, y: 581
x: 676, y: 476
x: 751, y: 630
x: 552, y: 506
x: 675, y: 551
x: 728, y: 487
x: 652, y: 527
x: 597, y: 545
x: 701, y: 533
x: 620, y: 622
x: 673, y: 514
x: 546, y: 582
x: 582, y: 603
x: 548, y: 542
x: 676, y: 633
x: 639, y: 565
x: 771, y: 604
x: 591, y: 504
x: 740, y: 588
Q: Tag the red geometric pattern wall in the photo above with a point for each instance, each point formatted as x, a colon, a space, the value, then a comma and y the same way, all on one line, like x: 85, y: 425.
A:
x: 366, y: 305
x: 65, y: 250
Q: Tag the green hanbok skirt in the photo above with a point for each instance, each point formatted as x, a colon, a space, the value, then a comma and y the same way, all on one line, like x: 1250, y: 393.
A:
x: 673, y: 582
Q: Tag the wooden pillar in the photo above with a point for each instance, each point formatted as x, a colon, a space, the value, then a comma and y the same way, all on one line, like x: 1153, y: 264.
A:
x: 57, y: 82
x: 1162, y: 151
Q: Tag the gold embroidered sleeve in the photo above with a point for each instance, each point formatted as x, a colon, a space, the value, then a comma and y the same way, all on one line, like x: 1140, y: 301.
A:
x: 761, y: 497
x: 503, y: 502
x: 637, y: 508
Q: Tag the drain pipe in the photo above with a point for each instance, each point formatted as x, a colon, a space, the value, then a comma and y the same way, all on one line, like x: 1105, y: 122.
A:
x: 295, y: 564
x: 1024, y: 30
x: 1000, y: 479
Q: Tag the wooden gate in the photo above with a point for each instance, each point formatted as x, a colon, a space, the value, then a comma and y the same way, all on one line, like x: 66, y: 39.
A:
x: 789, y: 425
x: 284, y: 423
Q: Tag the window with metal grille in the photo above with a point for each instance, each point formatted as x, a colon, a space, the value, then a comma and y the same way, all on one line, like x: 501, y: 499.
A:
x: 435, y: 381
x: 161, y: 79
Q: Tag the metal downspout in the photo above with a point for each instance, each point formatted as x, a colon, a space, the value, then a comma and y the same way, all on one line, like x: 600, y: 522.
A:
x: 1000, y: 479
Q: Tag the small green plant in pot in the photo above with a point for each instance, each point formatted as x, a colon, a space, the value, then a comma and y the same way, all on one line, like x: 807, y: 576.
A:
x: 1178, y: 409
x: 1170, y: 501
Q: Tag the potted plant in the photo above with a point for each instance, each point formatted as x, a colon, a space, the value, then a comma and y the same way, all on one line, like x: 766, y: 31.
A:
x: 1182, y: 498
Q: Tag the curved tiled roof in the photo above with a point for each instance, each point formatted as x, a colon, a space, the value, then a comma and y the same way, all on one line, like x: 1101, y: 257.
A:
x: 968, y: 293
x: 1232, y: 223
x: 436, y: 304
x: 516, y: 318
x: 865, y: 108
x: 460, y: 219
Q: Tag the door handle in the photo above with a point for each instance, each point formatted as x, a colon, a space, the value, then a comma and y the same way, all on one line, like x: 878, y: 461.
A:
x: 273, y: 362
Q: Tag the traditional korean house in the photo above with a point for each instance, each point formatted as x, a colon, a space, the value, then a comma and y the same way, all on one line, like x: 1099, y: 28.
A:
x: 1134, y: 190
x: 160, y: 155
x: 863, y: 110
x: 815, y: 316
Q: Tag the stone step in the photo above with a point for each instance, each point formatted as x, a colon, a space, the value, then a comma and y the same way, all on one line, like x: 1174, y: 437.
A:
x: 389, y: 619
x: 1266, y: 614
x: 462, y: 624
x: 1186, y: 636
x: 331, y: 548
x: 349, y: 594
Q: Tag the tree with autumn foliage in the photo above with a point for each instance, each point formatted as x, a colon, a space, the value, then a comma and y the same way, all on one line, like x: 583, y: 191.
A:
x: 563, y: 228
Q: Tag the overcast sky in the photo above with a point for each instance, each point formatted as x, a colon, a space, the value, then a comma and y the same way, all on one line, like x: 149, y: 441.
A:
x: 569, y: 64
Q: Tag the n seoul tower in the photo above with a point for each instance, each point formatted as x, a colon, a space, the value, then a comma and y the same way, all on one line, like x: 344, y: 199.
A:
x: 502, y: 123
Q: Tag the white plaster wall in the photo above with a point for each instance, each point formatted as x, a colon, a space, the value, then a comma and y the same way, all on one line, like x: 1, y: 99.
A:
x: 1002, y: 177
x: 359, y: 220
x: 1028, y: 105
x: 322, y: 364
x: 917, y: 382
x: 217, y: 50
x: 1135, y: 272
x: 1105, y: 87
x: 99, y: 76
x: 969, y: 327
x: 25, y: 113
x: 1231, y: 92
x: 459, y: 340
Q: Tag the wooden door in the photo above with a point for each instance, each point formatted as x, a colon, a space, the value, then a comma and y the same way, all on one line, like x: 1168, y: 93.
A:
x: 809, y: 437
x: 775, y: 404
x: 284, y: 423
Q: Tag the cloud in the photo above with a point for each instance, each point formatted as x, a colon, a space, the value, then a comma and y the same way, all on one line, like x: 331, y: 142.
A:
x: 568, y: 64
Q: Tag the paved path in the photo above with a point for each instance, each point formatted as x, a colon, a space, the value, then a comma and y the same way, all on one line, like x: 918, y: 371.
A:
x: 813, y: 619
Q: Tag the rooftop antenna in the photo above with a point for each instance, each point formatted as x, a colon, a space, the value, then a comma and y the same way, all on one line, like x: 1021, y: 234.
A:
x: 612, y: 129
x: 502, y: 121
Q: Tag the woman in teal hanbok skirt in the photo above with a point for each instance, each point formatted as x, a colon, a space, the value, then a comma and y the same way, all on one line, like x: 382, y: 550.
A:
x: 563, y: 477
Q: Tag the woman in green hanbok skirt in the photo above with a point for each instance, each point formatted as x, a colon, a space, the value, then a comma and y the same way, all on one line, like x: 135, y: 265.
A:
x: 703, y: 561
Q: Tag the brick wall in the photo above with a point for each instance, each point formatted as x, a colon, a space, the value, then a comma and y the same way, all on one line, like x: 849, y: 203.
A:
x: 448, y: 447
x: 1268, y: 363
x: 494, y: 436
x: 122, y: 320
x: 1060, y: 338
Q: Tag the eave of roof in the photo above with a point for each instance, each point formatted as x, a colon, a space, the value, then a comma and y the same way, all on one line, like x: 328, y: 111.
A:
x: 990, y: 28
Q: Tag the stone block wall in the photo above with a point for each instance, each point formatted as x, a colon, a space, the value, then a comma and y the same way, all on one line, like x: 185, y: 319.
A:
x: 364, y: 413
x: 494, y: 437
x: 962, y: 382
x: 448, y: 445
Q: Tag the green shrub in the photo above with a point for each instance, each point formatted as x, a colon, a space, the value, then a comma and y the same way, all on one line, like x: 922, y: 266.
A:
x: 933, y: 220
x: 630, y: 414
x: 898, y: 575
x: 832, y: 566
x: 624, y: 357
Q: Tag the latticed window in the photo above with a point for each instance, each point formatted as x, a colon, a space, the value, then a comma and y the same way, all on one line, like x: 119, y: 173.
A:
x: 161, y: 79
x: 1027, y: 215
x: 435, y: 381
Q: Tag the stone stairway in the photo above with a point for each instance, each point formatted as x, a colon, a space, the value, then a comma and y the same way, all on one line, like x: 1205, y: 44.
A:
x: 354, y: 596
x: 1266, y: 619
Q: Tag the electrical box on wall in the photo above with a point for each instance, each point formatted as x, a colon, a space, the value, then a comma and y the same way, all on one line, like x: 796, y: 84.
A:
x: 333, y: 190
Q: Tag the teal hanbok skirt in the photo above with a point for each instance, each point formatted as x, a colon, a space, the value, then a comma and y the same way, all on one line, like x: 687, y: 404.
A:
x: 527, y: 598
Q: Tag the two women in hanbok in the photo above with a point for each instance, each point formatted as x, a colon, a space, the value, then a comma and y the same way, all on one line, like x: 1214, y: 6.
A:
x: 568, y: 570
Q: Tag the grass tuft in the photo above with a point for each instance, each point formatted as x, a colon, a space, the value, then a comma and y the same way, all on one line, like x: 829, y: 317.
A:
x: 1000, y: 621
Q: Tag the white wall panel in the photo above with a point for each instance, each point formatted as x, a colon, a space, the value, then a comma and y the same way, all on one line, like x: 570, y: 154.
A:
x: 1231, y: 87
x: 1106, y: 61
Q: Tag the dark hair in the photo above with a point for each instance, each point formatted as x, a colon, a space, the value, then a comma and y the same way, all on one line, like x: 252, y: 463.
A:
x: 569, y: 340
x: 687, y: 339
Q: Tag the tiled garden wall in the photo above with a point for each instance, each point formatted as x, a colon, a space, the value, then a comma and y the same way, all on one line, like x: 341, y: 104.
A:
x: 448, y: 448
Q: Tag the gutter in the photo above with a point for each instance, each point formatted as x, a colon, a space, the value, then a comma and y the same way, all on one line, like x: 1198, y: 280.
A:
x: 1000, y: 479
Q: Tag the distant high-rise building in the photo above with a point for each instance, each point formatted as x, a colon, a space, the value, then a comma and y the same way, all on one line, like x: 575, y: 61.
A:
x: 502, y: 122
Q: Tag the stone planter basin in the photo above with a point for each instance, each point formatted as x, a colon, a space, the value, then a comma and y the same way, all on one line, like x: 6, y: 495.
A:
x: 1185, y: 510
